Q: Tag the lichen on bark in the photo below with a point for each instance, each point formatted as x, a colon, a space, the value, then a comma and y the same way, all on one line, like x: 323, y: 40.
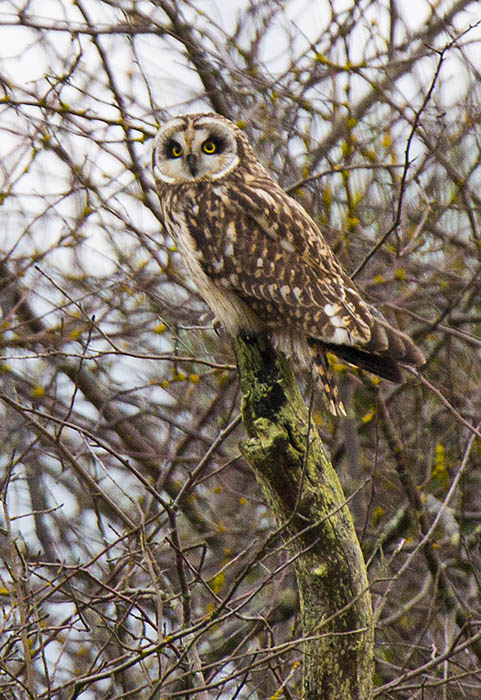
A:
x: 285, y: 451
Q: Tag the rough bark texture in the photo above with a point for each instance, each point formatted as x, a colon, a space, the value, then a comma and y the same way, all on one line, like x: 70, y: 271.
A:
x: 302, y: 488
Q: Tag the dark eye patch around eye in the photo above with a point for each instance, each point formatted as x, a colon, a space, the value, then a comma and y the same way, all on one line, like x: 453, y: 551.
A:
x: 172, y: 149
x: 218, y: 142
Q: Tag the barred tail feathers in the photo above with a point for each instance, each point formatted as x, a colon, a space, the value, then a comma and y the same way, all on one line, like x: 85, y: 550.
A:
x: 386, y: 352
x: 390, y: 342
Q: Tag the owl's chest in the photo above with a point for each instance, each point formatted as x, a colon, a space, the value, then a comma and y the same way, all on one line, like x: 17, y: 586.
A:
x: 201, y: 227
x: 188, y: 222
x: 205, y: 238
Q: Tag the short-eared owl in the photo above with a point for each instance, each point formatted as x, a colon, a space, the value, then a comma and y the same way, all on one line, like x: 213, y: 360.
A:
x: 259, y: 260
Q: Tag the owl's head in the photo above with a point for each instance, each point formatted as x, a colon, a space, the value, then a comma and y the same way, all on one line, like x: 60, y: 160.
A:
x: 196, y: 147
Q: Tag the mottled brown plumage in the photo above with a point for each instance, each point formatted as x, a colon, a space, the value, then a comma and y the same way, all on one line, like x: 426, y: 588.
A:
x: 259, y: 260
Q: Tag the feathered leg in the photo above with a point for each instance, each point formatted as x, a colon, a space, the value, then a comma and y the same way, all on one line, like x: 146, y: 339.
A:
x: 325, y: 380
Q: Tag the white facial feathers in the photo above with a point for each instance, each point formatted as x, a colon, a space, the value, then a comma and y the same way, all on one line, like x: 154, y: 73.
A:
x: 194, y: 148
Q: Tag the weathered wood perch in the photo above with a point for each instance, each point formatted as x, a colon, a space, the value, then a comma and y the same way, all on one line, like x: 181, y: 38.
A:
x: 289, y: 461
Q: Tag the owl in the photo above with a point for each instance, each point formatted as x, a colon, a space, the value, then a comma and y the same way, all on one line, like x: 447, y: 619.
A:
x: 260, y: 261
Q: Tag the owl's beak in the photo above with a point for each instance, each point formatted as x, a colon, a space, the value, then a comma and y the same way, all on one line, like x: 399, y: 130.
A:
x: 192, y: 163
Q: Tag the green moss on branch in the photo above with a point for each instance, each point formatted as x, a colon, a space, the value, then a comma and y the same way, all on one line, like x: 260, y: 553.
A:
x: 287, y: 456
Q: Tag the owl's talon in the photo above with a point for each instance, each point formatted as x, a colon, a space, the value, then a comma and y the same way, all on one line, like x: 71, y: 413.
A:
x: 217, y: 327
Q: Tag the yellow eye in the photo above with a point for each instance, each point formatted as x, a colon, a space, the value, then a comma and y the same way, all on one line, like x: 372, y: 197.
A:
x: 209, y: 147
x: 176, y: 150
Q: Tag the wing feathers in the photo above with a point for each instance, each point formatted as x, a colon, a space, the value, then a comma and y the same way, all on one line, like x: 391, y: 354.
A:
x: 380, y: 365
x: 298, y: 271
